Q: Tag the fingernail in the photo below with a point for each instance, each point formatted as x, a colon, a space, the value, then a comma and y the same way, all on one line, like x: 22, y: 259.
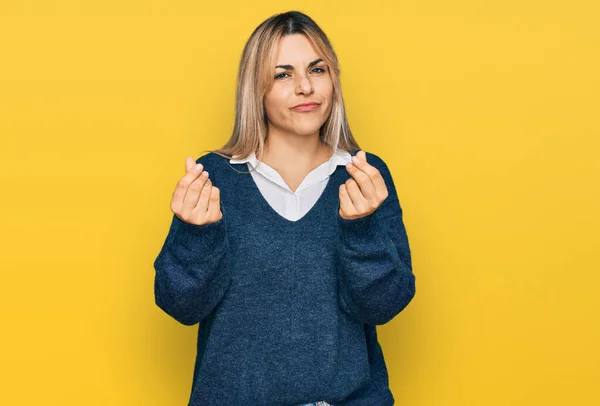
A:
x: 349, y: 165
x: 355, y: 160
x: 198, y: 167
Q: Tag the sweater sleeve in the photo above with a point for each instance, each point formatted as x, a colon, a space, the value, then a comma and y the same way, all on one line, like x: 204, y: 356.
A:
x: 375, y: 275
x: 192, y: 270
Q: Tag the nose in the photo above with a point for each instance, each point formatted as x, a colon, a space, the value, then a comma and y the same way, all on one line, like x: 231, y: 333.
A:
x: 304, y: 84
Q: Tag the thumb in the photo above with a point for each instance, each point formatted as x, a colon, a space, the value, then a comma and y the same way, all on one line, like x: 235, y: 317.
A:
x: 362, y: 154
x: 189, y: 163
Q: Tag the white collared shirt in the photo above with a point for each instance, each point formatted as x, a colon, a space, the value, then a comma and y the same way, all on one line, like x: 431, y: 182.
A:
x: 289, y: 204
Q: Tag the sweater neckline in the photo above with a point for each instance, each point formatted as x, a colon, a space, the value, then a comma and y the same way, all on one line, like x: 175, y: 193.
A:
x: 311, y: 212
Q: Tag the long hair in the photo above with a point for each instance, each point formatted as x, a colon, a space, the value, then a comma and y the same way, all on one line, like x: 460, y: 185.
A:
x: 255, y: 77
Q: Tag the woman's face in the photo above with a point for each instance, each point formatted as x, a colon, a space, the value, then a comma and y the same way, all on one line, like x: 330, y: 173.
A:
x: 299, y: 77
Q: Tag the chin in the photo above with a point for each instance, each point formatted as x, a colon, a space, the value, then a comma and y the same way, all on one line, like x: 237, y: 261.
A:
x: 308, y: 126
x: 307, y: 130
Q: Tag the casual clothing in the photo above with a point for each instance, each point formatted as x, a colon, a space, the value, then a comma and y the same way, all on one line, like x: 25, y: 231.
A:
x: 287, y: 309
x: 292, y: 204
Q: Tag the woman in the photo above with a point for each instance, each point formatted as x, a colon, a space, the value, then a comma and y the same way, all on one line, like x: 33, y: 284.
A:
x: 290, y: 266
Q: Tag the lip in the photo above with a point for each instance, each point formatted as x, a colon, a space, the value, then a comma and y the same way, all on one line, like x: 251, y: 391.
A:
x: 306, y: 106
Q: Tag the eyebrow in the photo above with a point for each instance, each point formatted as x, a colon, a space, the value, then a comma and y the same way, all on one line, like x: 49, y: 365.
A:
x: 290, y: 67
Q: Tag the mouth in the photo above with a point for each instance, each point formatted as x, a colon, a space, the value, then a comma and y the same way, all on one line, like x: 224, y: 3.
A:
x: 305, y: 107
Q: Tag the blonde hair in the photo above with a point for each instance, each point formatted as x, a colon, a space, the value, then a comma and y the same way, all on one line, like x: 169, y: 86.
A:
x: 255, y: 77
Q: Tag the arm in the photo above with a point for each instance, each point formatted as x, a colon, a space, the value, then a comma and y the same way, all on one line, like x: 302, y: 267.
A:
x: 192, y: 268
x: 192, y: 272
x: 375, y: 269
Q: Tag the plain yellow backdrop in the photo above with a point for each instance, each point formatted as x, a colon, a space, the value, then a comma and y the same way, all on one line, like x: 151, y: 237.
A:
x: 487, y: 113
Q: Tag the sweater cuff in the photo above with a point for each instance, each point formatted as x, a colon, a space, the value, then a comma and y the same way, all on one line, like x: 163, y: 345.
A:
x: 191, y: 237
x: 367, y: 226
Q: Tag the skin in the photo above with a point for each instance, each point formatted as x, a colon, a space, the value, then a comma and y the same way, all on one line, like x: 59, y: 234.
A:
x: 292, y: 137
x: 195, y: 200
x: 364, y: 192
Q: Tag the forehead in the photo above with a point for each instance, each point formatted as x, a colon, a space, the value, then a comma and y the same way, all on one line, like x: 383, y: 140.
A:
x: 295, y: 48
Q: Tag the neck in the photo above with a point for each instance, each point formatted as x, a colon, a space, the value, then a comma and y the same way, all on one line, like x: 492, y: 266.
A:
x: 303, y: 151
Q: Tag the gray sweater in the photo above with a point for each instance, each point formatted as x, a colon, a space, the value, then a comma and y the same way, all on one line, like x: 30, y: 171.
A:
x: 287, y: 309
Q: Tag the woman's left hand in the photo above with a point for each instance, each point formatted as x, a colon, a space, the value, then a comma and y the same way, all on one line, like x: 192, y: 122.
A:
x: 362, y: 194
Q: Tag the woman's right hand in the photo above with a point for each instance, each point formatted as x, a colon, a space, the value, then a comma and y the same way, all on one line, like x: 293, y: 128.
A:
x: 195, y: 200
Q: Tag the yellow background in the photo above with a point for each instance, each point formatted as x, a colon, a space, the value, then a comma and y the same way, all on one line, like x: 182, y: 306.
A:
x: 486, y: 112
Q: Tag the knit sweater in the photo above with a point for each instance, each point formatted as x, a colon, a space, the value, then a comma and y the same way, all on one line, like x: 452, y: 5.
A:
x: 287, y: 309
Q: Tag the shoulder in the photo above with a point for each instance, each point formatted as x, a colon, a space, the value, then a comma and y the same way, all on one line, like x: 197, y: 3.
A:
x: 214, y: 164
x: 211, y: 159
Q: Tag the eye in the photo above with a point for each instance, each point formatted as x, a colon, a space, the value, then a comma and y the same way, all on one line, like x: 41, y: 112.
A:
x: 279, y: 76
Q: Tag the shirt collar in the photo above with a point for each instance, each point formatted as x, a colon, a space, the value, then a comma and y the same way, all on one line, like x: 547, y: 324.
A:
x: 340, y: 157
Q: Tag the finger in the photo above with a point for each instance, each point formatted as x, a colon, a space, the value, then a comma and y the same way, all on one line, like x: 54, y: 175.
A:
x: 358, y: 200
x: 373, y: 173
x: 192, y: 195
x: 364, y: 182
x: 359, y: 161
x: 182, y: 187
x: 345, y: 202
x: 201, y: 207
x: 214, y: 206
x: 362, y: 155
x: 189, y: 163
